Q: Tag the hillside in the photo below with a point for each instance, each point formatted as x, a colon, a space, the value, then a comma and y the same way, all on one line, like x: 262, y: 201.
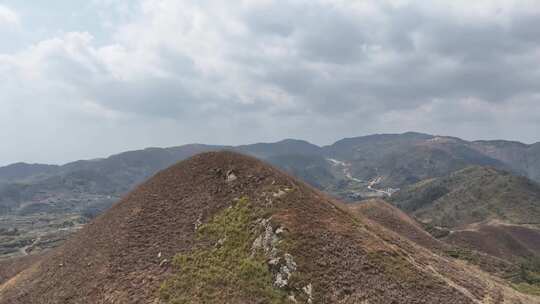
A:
x: 397, y: 221
x: 513, y: 243
x: 522, y: 157
x: 404, y: 159
x: 37, y: 199
x: 482, y: 210
x: 21, y: 171
x: 283, y: 147
x: 221, y: 227
x: 97, y: 180
x: 399, y: 159
x: 312, y: 169
x: 472, y: 195
x: 345, y: 168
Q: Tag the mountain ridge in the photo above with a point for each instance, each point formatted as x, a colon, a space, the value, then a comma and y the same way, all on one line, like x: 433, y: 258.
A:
x: 482, y: 141
x: 353, y: 169
x: 305, y: 247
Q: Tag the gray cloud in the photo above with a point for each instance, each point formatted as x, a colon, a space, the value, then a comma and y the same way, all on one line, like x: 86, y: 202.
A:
x: 177, y: 72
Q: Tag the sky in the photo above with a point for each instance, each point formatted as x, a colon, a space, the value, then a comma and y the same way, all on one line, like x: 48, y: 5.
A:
x: 86, y: 79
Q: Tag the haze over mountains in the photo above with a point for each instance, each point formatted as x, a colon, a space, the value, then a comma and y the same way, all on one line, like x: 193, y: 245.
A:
x: 344, y: 168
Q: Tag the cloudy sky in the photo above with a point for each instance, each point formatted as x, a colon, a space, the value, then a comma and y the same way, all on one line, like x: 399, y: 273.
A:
x: 82, y: 79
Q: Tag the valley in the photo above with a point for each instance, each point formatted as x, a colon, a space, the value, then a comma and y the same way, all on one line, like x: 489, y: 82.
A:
x: 358, y: 188
x: 33, y: 234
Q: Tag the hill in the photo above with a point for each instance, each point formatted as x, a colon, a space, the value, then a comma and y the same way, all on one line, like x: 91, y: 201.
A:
x: 99, y: 179
x: 37, y: 199
x: 472, y: 195
x: 397, y: 221
x: 515, y: 243
x: 522, y: 157
x: 283, y: 147
x: 20, y: 171
x: 312, y: 169
x: 350, y: 168
x: 222, y: 227
x: 12, y: 267
x: 403, y: 159
x: 482, y: 210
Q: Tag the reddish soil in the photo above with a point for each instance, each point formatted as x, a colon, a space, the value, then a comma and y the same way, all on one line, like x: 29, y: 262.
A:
x: 11, y: 267
x: 397, y: 221
x: 509, y: 242
x: 118, y: 258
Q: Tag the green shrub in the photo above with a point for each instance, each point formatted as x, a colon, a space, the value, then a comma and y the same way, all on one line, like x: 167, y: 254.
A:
x: 530, y: 271
x: 225, y: 270
x: 527, y: 279
x: 462, y: 254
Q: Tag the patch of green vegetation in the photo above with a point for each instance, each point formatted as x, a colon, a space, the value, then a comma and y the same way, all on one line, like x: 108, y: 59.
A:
x: 530, y: 271
x: 463, y: 254
x: 527, y: 280
x: 225, y: 271
x: 532, y: 289
x: 395, y: 265
x: 436, y: 232
x: 472, y: 195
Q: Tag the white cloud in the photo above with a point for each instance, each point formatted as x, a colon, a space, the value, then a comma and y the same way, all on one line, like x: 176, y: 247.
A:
x: 265, y: 70
x: 8, y: 17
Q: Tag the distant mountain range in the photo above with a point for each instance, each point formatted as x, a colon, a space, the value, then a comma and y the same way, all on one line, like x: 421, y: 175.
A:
x: 352, y: 168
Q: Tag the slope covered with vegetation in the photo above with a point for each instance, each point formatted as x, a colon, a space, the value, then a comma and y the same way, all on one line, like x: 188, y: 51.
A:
x: 190, y: 231
x: 472, y: 195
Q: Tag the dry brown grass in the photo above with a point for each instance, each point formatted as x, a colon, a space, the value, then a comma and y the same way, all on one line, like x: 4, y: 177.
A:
x: 119, y: 257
